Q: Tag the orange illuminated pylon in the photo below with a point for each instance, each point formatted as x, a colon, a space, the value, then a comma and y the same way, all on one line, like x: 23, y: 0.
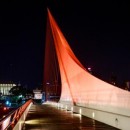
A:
x: 79, y: 87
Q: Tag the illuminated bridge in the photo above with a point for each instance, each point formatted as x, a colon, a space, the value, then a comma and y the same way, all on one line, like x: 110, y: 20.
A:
x: 80, y: 90
x: 85, y: 100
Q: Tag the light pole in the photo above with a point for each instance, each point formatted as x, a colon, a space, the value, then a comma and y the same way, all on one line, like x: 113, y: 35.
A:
x: 47, y: 90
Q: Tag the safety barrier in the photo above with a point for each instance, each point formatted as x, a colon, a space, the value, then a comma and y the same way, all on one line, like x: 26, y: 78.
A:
x: 113, y: 119
x: 10, y: 121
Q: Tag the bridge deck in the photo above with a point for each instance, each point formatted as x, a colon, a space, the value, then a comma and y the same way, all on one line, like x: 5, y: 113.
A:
x: 48, y: 117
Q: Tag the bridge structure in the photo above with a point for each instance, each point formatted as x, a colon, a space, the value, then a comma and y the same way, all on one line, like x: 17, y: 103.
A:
x: 81, y: 91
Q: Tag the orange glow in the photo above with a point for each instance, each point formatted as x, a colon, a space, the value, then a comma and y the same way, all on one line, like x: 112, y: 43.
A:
x: 81, y: 88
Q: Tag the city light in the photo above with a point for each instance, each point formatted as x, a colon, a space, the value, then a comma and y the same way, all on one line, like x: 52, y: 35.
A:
x: 89, y: 68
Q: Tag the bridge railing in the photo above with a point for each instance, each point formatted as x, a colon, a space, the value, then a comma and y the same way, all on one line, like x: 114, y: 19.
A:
x: 10, y: 120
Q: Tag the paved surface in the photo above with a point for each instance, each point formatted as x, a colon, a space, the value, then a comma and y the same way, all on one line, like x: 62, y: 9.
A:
x: 48, y: 117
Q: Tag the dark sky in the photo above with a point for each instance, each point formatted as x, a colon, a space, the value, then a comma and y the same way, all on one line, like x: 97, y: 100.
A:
x: 98, y: 32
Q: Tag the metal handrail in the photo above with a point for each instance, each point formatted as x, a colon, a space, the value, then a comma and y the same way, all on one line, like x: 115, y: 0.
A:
x: 10, y: 120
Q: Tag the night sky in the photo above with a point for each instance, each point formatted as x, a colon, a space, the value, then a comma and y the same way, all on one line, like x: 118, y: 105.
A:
x: 98, y: 32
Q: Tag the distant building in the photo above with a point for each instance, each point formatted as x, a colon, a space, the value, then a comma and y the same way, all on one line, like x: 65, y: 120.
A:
x: 4, y: 88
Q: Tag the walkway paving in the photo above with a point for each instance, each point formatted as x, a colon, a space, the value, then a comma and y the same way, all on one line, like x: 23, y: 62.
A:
x: 48, y: 117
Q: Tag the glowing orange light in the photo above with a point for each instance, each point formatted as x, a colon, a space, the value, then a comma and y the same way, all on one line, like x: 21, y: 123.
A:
x: 79, y: 87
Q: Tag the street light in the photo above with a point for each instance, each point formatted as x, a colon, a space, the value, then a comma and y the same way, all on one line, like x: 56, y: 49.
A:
x: 90, y: 70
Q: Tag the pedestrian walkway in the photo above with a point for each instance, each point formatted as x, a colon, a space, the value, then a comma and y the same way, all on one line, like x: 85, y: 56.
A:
x: 49, y: 117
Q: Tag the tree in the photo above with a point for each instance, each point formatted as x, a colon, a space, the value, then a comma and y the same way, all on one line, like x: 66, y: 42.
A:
x: 18, y: 90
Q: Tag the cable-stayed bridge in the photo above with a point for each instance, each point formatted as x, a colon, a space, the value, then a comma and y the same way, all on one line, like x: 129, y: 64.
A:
x: 80, y: 90
x: 85, y: 100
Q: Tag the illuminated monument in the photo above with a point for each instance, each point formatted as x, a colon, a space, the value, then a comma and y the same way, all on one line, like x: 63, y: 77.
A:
x: 81, y: 90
